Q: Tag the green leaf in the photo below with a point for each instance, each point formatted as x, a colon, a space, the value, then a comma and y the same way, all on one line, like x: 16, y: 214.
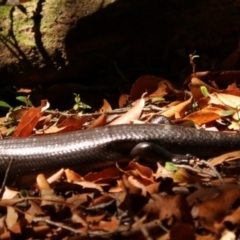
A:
x: 4, y: 104
x: 157, y: 99
x: 10, y: 131
x: 76, y: 107
x: 227, y: 113
x: 170, y: 166
x: 83, y: 105
x: 77, y: 98
x: 204, y: 91
x: 24, y: 100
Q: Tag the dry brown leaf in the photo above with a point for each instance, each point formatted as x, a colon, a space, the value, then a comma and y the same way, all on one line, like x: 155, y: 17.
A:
x: 153, y: 188
x: 232, y: 86
x: 110, y: 225
x: 106, y: 107
x: 54, y: 129
x: 132, y: 114
x: 177, y: 109
x: 95, y: 219
x: 143, y: 171
x: 232, y: 91
x: 72, y: 176
x: 56, y: 176
x: 34, y: 209
x: 123, y: 100
x: 233, y: 219
x: 79, y: 199
x: 165, y: 87
x: 78, y: 218
x: 202, y: 194
x: 44, y: 121
x: 42, y: 182
x: 227, y: 157
x: 117, y: 188
x: 72, y: 121
x: 211, y: 212
x: 86, y: 184
x: 204, y: 115
x: 144, y: 84
x: 195, y: 87
x: 136, y: 183
x: 19, y: 113
x: 11, y: 220
x: 28, y: 122
x: 99, y: 122
x: 103, y: 199
x: 9, y: 193
x: 24, y: 90
x: 169, y: 207
x: 162, y: 90
x: 105, y: 175
x: 176, y: 206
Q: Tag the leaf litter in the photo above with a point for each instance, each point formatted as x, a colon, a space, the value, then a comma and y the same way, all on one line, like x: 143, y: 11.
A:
x: 137, y: 201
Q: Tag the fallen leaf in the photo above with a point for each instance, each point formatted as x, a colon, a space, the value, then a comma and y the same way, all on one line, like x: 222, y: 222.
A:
x: 204, y: 115
x: 72, y: 176
x: 132, y: 114
x: 212, y: 211
x: 109, y: 226
x: 123, y: 100
x: 72, y: 121
x: 106, y: 174
x: 229, y: 100
x: 28, y: 122
x: 11, y: 220
x: 100, y: 121
x: 42, y: 182
x: 9, y: 193
x: 34, y: 209
x: 143, y: 171
x: 225, y: 157
x: 106, y: 107
x: 178, y: 110
x: 195, y: 88
x: 144, y: 84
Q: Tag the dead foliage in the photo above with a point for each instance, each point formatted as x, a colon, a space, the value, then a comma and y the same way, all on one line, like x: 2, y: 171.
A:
x: 138, y: 202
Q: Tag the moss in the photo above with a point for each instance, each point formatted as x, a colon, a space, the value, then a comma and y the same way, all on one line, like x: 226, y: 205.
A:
x: 4, y: 11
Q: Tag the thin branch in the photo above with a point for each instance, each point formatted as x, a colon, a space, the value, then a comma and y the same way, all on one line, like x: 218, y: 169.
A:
x: 6, y: 177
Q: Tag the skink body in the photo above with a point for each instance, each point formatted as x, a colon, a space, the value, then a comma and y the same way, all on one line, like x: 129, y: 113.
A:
x: 101, y: 147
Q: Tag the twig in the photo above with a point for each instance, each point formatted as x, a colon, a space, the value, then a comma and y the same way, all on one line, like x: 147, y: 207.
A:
x: 137, y: 230
x: 142, y: 229
x: 6, y: 177
x: 60, y: 225
x: 125, y: 185
x: 214, y: 170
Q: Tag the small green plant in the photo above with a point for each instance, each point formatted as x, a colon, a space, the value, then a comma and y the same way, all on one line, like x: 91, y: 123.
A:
x: 23, y: 99
x: 171, y: 167
x: 204, y: 91
x: 79, y: 106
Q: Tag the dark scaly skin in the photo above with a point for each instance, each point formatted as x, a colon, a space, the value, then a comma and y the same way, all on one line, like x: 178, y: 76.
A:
x: 91, y: 149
